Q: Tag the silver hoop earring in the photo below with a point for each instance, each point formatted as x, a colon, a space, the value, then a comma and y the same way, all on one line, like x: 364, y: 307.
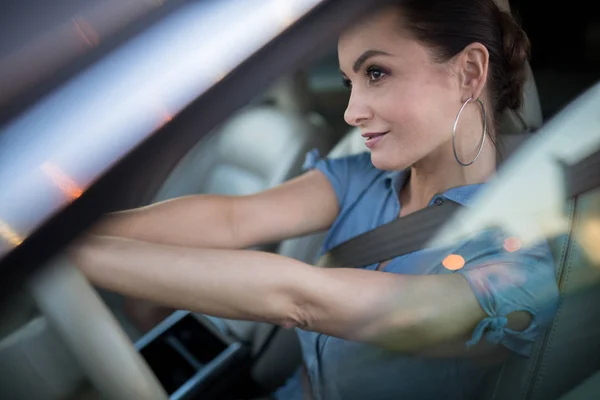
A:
x: 482, y: 137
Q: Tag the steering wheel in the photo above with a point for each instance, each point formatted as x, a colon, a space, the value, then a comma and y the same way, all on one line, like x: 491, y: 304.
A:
x: 93, y: 334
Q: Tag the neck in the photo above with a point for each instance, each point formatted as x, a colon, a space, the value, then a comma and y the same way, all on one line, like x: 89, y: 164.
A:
x: 440, y: 171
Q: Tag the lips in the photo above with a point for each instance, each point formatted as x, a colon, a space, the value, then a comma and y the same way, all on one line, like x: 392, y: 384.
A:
x: 372, y: 138
x: 372, y: 135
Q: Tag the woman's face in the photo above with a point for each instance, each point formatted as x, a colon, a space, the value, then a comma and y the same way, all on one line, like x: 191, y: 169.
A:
x: 403, y: 100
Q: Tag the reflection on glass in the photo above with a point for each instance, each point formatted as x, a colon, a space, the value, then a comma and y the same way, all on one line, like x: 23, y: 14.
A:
x: 62, y: 180
x: 9, y: 235
x: 285, y: 11
x: 85, y: 31
x: 453, y: 262
x: 512, y: 244
x: 38, y: 54
x: 589, y: 239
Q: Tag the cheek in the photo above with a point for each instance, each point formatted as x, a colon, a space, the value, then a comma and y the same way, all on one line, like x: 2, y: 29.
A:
x: 412, y: 109
x: 424, y: 107
x: 398, y: 103
x: 421, y: 119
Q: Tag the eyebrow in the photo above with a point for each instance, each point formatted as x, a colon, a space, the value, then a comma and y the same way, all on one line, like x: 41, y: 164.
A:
x: 365, y: 56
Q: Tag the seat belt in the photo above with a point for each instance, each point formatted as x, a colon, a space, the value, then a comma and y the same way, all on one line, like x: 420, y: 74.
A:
x: 410, y: 233
x: 401, y: 236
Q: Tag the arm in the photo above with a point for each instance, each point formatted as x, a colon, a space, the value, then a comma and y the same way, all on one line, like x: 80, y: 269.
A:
x: 399, y: 312
x: 303, y: 205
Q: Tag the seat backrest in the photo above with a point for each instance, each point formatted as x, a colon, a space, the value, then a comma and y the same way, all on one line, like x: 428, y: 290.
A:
x: 569, y: 351
x: 260, y: 146
x: 257, y: 148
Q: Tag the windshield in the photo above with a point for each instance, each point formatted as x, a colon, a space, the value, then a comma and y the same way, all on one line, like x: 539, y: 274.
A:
x: 215, y: 172
x: 41, y: 48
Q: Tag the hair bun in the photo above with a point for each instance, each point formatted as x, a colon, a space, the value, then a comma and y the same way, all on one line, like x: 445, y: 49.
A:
x: 517, y: 50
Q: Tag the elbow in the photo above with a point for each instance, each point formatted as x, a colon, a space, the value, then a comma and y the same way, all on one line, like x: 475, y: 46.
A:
x: 289, y: 312
x: 296, y: 316
x: 291, y: 304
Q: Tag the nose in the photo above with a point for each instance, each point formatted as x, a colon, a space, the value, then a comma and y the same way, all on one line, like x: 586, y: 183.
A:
x: 357, y: 111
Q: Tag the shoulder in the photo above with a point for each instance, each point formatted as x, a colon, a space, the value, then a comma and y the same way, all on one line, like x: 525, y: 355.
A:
x: 348, y: 175
x: 356, y: 162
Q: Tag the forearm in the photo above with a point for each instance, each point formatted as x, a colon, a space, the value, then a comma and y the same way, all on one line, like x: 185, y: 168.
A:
x: 193, y: 221
x: 237, y: 284
x: 404, y: 313
x: 398, y: 312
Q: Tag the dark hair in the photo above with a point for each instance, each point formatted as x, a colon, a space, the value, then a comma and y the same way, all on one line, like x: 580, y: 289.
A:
x: 448, y: 26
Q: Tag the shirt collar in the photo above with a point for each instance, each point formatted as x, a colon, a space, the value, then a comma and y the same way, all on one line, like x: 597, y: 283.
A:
x: 396, y: 179
x: 460, y: 194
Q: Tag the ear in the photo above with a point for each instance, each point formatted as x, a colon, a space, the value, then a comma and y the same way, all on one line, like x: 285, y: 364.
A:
x: 473, y: 63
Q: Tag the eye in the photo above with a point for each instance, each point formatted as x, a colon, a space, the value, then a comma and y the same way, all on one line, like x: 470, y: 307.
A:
x: 375, y: 73
x: 347, y: 83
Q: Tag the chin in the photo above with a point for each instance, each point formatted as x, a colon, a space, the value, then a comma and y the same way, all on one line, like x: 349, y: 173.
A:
x: 390, y: 162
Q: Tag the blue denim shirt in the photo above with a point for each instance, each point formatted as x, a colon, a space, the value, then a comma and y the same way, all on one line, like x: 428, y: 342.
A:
x: 503, y: 281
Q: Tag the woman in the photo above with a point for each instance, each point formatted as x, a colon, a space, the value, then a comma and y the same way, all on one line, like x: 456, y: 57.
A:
x: 407, y: 328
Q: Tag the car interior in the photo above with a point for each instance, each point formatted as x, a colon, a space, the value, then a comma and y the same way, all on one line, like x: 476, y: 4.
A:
x: 265, y: 144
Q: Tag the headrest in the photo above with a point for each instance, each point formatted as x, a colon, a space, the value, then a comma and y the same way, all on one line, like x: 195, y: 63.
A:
x: 509, y: 144
x: 529, y: 117
x: 289, y: 93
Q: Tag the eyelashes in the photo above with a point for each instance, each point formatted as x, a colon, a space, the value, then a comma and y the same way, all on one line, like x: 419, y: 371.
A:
x: 373, y: 73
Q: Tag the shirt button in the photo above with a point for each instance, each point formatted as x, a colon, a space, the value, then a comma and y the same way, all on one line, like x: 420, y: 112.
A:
x: 438, y: 201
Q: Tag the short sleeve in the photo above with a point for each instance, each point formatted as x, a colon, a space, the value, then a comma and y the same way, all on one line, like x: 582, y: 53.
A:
x: 504, y: 282
x: 345, y: 174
